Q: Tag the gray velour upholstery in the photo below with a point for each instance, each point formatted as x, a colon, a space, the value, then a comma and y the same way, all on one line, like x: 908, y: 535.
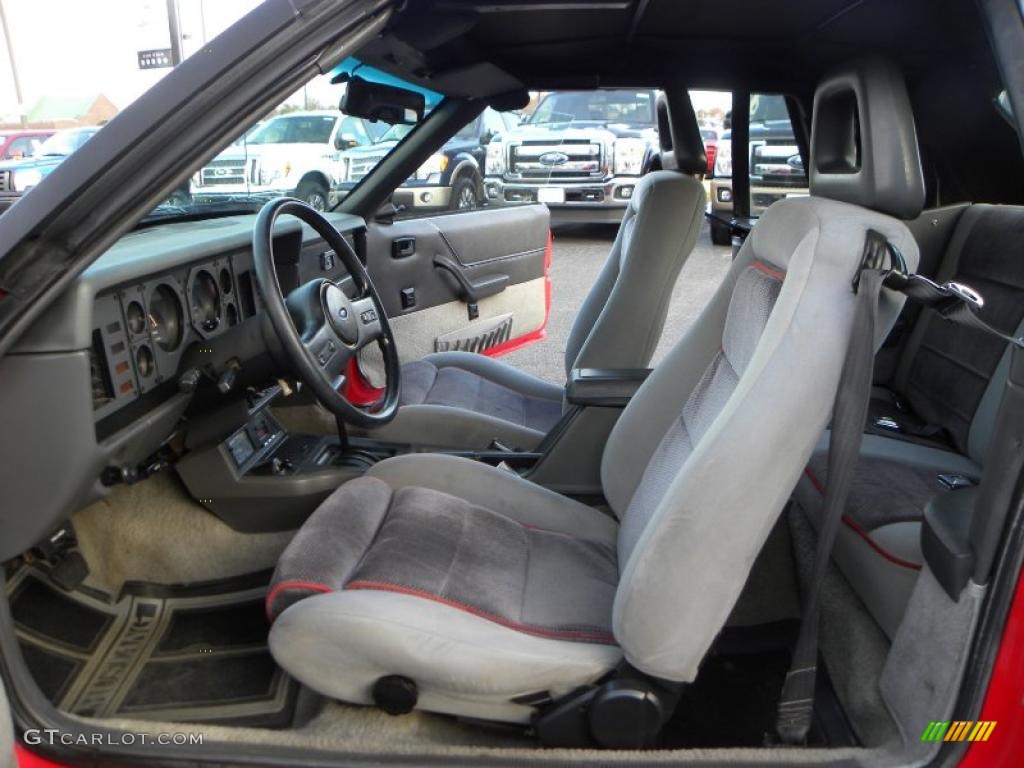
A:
x: 878, y: 547
x: 469, y: 578
x: 947, y: 369
x: 951, y: 379
x: 465, y: 400
x: 421, y: 541
x: 696, y: 472
x: 621, y: 319
x: 863, y: 144
x: 455, y: 386
x: 722, y: 501
x: 751, y: 387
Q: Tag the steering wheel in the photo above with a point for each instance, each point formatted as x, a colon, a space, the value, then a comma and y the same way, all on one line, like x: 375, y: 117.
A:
x: 320, y: 327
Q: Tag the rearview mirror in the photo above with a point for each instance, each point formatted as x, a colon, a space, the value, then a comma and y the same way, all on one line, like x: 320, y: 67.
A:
x: 345, y: 142
x: 386, y: 103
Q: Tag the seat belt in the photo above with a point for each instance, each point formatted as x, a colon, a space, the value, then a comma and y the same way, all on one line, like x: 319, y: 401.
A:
x: 955, y: 302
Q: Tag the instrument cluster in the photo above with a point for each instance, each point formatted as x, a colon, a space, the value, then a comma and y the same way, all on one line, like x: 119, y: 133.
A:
x: 142, y: 330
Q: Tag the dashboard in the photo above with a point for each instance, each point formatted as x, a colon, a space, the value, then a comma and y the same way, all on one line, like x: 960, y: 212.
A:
x: 99, y: 381
x: 148, y: 331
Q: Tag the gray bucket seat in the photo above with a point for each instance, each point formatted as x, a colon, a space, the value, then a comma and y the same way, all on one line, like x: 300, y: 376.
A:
x: 465, y: 400
x: 490, y: 593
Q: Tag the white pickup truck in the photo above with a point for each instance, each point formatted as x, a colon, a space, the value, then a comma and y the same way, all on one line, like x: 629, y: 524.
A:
x: 581, y: 152
x: 301, y: 154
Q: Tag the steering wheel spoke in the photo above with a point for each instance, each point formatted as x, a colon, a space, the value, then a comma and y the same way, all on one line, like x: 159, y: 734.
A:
x: 370, y: 329
x: 329, y: 351
x: 320, y: 328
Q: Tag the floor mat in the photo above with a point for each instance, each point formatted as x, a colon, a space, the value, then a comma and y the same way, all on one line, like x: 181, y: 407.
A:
x: 190, y: 654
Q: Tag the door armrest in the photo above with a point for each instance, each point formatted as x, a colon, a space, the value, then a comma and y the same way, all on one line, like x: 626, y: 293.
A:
x: 604, y: 387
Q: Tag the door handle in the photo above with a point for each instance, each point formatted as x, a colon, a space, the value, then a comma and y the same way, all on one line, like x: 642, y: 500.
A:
x: 469, y: 291
x: 402, y: 247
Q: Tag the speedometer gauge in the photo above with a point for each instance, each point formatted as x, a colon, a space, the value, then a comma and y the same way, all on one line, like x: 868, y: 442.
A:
x: 204, y: 301
x: 166, y: 318
x: 136, y: 318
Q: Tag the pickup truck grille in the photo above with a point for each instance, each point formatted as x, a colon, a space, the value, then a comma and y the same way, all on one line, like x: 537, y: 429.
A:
x: 361, y: 166
x: 5, y: 181
x: 224, y: 172
x: 777, y: 164
x: 572, y: 159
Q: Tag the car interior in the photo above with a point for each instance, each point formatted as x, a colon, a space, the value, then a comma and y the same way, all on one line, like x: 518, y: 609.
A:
x: 266, y: 476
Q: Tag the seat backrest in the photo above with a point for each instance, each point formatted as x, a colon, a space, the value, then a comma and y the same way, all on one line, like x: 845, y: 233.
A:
x: 949, y: 373
x: 703, y: 459
x: 621, y: 319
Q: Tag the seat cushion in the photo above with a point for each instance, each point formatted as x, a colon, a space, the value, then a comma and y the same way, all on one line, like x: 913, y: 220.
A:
x: 883, y: 492
x: 878, y: 547
x: 467, y: 401
x: 442, y: 548
x: 424, y: 383
x: 532, y: 605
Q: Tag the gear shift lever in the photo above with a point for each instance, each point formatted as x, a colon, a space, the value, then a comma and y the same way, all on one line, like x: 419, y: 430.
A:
x: 343, y: 445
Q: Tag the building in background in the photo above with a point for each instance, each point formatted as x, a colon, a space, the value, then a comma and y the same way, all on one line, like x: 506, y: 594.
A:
x: 70, y: 112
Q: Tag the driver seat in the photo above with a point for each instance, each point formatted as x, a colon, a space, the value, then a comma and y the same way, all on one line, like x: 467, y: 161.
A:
x: 456, y: 587
x: 466, y: 400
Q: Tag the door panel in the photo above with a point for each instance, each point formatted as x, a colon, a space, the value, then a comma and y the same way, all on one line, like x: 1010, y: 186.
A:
x: 475, y: 281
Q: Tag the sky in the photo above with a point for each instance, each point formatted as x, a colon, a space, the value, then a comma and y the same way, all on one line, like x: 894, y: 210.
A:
x: 88, y: 47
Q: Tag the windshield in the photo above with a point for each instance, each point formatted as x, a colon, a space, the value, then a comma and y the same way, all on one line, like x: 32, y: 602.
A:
x: 295, y: 129
x: 64, y: 143
x: 396, y: 133
x: 768, y: 107
x: 305, y: 148
x: 635, y: 108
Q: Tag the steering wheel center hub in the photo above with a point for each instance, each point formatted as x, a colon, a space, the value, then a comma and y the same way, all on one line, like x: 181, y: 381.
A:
x: 340, y: 314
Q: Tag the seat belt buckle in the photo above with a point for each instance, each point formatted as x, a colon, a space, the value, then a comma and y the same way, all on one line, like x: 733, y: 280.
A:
x: 953, y: 482
x: 959, y: 295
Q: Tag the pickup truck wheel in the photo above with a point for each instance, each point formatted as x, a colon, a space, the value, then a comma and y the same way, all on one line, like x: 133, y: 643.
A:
x: 721, y: 234
x: 313, y: 194
x: 464, y: 194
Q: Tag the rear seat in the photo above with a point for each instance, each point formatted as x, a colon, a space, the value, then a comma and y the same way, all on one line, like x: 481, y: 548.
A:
x: 943, y: 400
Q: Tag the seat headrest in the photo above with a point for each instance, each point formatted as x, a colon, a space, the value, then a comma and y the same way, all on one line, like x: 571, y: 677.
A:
x: 682, y: 148
x: 863, y: 143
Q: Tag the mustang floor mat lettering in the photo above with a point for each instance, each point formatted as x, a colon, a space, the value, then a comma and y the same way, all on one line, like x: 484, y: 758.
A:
x: 196, y: 654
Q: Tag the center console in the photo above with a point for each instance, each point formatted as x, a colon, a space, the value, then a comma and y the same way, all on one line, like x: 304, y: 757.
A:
x: 259, y: 477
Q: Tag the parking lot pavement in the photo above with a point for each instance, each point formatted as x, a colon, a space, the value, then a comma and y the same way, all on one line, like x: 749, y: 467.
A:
x: 579, y: 253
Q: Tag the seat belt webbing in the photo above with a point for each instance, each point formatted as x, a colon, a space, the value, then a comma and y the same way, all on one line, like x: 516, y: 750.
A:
x: 953, y: 301
x: 796, y: 704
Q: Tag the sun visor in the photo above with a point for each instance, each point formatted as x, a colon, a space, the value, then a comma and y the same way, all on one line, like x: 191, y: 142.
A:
x: 353, y: 66
x: 409, y: 67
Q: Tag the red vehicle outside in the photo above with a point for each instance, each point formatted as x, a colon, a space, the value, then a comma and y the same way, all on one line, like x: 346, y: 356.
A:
x: 710, y: 137
x: 15, y: 145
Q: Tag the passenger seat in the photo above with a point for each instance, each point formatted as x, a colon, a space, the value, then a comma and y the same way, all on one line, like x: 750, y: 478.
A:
x: 939, y: 416
x: 468, y: 401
